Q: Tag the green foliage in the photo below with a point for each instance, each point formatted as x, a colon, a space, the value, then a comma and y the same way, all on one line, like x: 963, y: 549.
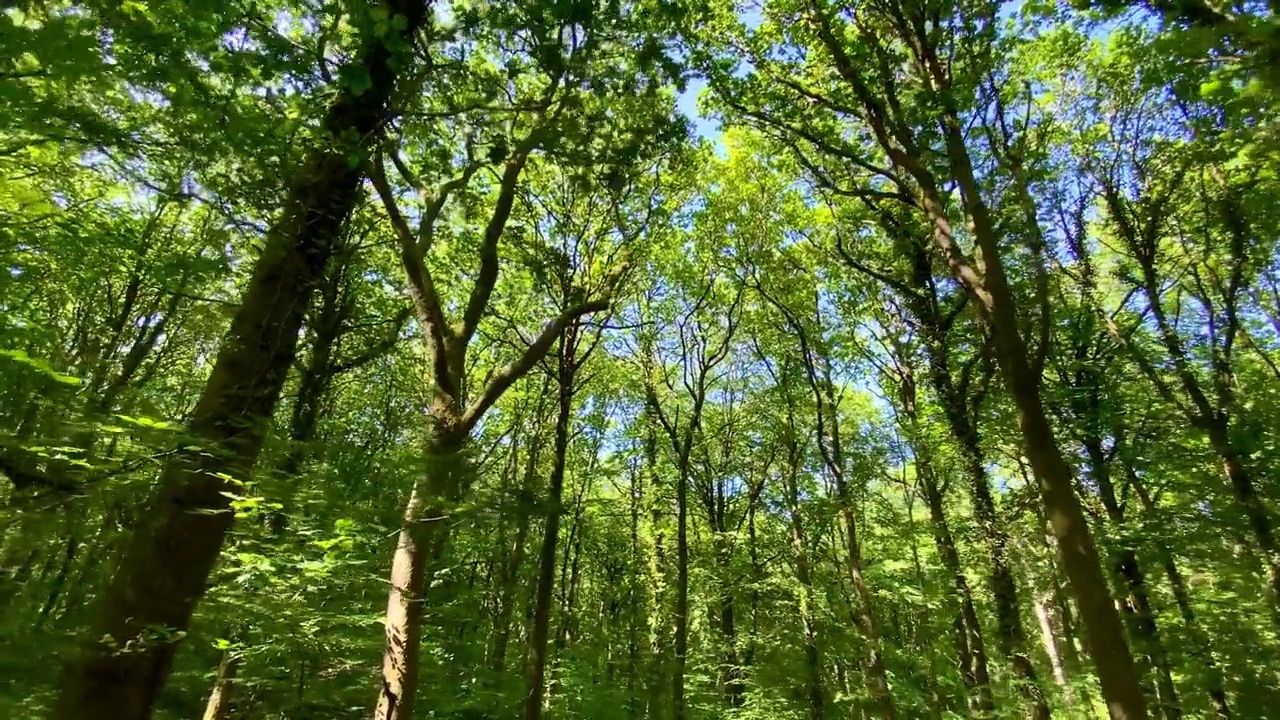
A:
x: 768, y: 328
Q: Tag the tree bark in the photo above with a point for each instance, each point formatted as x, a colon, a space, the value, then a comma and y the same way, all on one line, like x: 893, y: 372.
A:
x: 1137, y: 606
x: 514, y: 558
x: 422, y: 538
x: 219, y: 705
x: 1116, y: 671
x: 680, y: 615
x: 165, y: 566
x: 1049, y: 638
x: 970, y: 648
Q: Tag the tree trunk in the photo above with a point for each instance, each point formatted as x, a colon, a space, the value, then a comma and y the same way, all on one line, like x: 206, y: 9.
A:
x: 1049, y: 638
x: 64, y: 567
x: 1202, y: 649
x: 635, y: 596
x: 219, y: 705
x: 573, y: 568
x: 1080, y: 560
x: 1137, y: 606
x: 681, y: 613
x: 513, y: 559
x: 804, y: 576
x: 658, y: 643
x: 165, y: 566
x: 725, y: 610
x: 1004, y: 591
x: 535, y: 673
x: 970, y: 647
x: 876, y: 676
x: 422, y: 538
x: 1260, y: 522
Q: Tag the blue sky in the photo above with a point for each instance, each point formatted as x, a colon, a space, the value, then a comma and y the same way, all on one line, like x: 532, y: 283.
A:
x: 687, y: 103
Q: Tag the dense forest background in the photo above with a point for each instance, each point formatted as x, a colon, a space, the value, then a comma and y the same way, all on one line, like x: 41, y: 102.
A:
x: 639, y: 359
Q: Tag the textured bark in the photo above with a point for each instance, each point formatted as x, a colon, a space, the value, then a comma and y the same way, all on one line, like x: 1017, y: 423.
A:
x: 1253, y: 506
x: 680, y: 614
x: 682, y: 429
x: 817, y: 373
x: 1116, y: 671
x: 970, y: 647
x: 1049, y: 638
x: 166, y: 563
x: 513, y: 558
x: 724, y: 609
x: 422, y: 538
x: 988, y: 286
x: 1209, y: 406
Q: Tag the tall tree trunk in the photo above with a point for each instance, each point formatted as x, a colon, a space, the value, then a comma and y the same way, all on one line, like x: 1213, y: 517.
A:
x: 681, y: 612
x: 535, y: 673
x: 725, y: 609
x: 830, y: 443
x: 1137, y: 605
x: 970, y: 647
x: 1049, y: 638
x: 422, y: 538
x: 165, y: 566
x: 513, y: 558
x: 804, y: 576
x: 636, y: 596
x: 1004, y: 589
x: 1116, y: 670
x: 1213, y: 674
x: 572, y: 573
x: 658, y: 645
x: 877, y: 676
x: 1255, y: 509
x: 64, y: 567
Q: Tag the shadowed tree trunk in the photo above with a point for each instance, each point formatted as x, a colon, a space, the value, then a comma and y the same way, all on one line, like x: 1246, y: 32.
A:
x: 816, y: 363
x: 452, y: 414
x: 166, y: 563
x: 795, y: 460
x: 697, y: 372
x: 512, y: 557
x: 1137, y: 605
x: 970, y: 647
x: 568, y: 362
